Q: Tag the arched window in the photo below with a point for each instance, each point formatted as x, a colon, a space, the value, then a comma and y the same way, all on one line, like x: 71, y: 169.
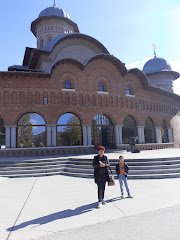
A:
x: 101, y: 87
x: 149, y: 131
x: 31, y: 131
x: 164, y: 132
x: 129, y: 129
x: 103, y: 131
x: 68, y: 84
x: 2, y: 133
x: 129, y: 90
x: 69, y: 130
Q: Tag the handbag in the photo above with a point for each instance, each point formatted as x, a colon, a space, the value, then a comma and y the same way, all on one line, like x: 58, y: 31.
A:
x: 111, y: 181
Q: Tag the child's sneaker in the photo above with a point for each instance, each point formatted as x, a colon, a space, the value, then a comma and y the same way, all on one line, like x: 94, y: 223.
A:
x: 122, y: 196
x: 129, y: 196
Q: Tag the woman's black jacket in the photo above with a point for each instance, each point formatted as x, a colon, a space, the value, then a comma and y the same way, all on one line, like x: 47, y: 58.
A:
x: 97, y: 167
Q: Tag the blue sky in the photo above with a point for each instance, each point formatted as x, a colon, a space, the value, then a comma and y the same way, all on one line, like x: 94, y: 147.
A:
x: 126, y: 28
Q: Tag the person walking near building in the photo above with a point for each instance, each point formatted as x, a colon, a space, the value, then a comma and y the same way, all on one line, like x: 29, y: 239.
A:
x: 122, y: 169
x: 132, y: 144
x: 101, y: 175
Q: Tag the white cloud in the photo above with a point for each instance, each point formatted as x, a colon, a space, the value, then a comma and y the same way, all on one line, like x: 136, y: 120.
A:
x: 138, y: 64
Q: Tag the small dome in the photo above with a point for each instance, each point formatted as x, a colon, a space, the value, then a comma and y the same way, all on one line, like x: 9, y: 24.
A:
x: 156, y: 65
x: 54, y: 11
x: 53, y: 42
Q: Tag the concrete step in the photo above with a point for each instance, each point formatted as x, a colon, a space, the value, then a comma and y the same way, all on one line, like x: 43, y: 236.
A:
x: 32, y: 167
x: 148, y: 167
x: 31, y: 171
x: 155, y: 171
x: 139, y: 168
x: 154, y: 176
x: 33, y: 163
x: 39, y: 162
x: 66, y: 173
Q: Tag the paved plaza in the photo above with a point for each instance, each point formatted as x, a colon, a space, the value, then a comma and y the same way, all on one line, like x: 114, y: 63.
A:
x: 61, y: 207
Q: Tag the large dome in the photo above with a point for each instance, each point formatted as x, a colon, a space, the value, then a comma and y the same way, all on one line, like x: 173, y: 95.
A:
x: 156, y: 65
x: 54, y: 11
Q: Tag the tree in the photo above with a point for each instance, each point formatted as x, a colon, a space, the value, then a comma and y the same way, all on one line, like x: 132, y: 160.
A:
x: 25, y: 127
x: 72, y: 134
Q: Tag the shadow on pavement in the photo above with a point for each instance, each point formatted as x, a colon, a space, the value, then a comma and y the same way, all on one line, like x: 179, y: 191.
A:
x: 113, y: 199
x: 55, y: 216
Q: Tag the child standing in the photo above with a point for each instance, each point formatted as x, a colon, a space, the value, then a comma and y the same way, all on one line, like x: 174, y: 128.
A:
x: 122, y: 171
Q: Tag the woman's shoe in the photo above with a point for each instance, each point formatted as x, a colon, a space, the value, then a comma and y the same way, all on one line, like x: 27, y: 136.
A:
x: 99, y: 205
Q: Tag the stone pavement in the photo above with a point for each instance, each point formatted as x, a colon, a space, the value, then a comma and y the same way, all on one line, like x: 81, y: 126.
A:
x: 60, y: 207
x: 162, y: 224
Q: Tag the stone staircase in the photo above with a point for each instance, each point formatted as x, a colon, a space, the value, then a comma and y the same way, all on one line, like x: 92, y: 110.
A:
x: 76, y: 167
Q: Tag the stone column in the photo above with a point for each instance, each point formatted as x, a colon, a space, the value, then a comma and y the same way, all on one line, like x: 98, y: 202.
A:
x: 53, y: 136
x: 84, y: 127
x: 116, y: 134
x: 89, y: 137
x: 13, y: 137
x: 120, y: 134
x: 8, y: 137
x: 140, y: 130
x: 170, y: 135
x: 49, y: 135
x: 158, y: 134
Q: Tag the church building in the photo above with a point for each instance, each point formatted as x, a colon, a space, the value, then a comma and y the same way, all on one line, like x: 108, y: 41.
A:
x: 71, y: 93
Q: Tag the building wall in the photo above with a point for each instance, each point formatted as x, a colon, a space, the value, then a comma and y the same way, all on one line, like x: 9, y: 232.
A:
x: 175, y: 122
x: 24, y: 92
x: 76, y: 49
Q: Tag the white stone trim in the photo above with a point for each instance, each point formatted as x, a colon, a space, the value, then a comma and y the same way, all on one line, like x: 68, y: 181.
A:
x: 130, y: 95
x: 101, y: 92
x: 68, y: 90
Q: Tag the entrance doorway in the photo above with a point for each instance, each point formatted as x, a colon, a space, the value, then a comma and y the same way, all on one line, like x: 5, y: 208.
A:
x: 103, y: 131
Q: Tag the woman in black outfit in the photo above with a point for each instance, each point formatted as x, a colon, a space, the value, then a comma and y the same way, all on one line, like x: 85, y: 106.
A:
x: 101, y: 176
